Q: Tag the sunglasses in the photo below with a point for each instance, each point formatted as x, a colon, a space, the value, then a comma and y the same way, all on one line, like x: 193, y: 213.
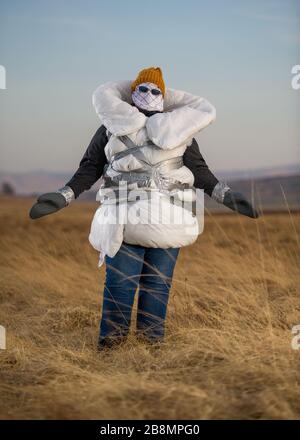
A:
x: 145, y: 89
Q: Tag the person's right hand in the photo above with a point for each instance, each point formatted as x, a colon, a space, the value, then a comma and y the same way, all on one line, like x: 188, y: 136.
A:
x: 47, y: 204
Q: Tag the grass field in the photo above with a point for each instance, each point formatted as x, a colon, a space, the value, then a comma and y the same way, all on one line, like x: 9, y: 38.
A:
x: 227, y: 353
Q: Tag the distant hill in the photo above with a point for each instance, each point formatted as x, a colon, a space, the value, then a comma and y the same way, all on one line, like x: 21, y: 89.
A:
x: 35, y: 182
x: 286, y: 170
x: 270, y: 193
x: 270, y: 187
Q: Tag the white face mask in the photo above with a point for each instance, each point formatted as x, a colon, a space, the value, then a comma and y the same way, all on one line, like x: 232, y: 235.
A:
x: 146, y: 100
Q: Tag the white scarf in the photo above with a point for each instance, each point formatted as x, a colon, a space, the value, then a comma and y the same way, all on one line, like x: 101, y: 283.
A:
x: 184, y: 114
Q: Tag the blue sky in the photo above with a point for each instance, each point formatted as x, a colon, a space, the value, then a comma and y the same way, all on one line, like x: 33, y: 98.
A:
x: 237, y: 54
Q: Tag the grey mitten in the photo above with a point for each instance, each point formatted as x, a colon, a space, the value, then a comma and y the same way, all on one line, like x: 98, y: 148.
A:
x: 237, y: 202
x: 51, y: 202
x: 233, y: 200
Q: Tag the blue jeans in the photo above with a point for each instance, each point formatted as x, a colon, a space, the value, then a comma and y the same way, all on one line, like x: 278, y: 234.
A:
x: 148, y: 269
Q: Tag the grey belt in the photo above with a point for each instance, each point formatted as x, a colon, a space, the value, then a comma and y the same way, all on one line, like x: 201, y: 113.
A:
x: 143, y: 178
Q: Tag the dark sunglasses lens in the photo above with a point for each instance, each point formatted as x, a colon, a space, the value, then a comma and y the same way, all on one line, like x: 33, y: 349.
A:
x: 143, y: 89
x: 156, y: 92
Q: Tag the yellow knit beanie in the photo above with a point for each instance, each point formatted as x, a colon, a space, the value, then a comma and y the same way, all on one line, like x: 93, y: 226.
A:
x: 152, y: 75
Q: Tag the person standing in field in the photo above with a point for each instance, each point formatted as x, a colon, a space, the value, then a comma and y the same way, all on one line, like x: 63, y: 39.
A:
x: 150, y: 165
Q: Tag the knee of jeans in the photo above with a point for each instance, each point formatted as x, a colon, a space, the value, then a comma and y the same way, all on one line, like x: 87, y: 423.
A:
x: 156, y: 282
x: 121, y: 280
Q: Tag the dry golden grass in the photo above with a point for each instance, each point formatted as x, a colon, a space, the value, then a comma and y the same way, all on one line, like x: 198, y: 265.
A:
x: 227, y: 352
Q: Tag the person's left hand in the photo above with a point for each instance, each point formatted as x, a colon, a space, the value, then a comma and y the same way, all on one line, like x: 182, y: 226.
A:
x: 237, y: 202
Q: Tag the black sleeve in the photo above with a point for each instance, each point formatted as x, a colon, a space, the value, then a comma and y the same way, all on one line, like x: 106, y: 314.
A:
x: 91, y: 165
x: 204, y: 178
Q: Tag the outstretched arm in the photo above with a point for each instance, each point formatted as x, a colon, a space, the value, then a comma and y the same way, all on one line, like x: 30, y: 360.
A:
x: 89, y: 171
x: 217, y: 190
x: 203, y: 177
x: 91, y: 165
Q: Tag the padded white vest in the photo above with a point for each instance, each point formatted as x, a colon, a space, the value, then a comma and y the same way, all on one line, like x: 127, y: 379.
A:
x: 171, y: 131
